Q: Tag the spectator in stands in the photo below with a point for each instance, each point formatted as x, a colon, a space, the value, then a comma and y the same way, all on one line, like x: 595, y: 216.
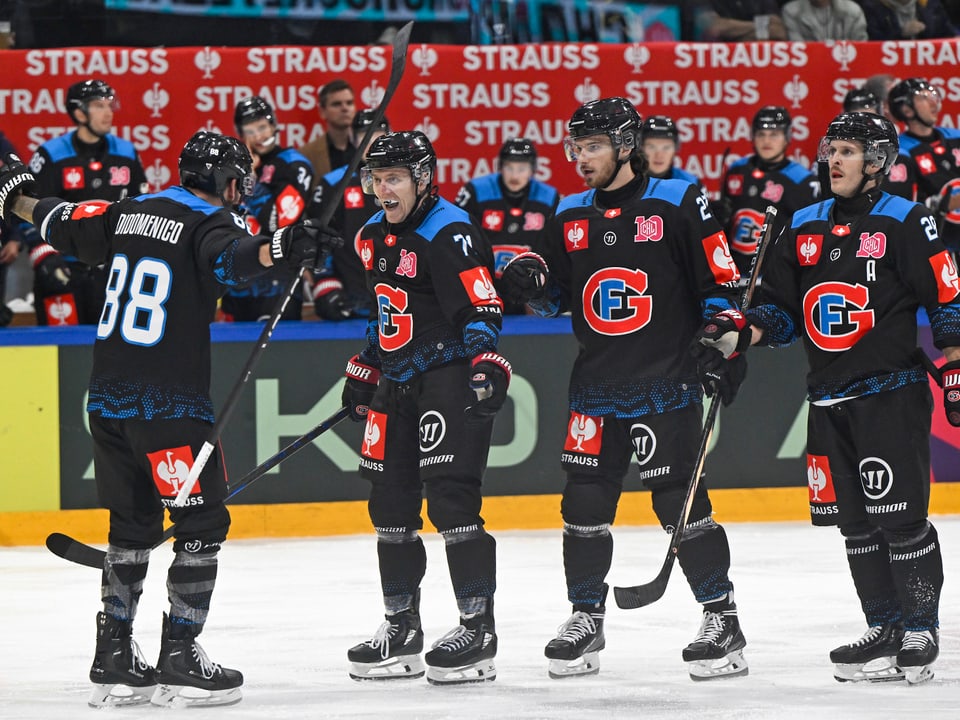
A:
x: 738, y: 20
x: 334, y: 148
x: 906, y: 19
x: 817, y: 20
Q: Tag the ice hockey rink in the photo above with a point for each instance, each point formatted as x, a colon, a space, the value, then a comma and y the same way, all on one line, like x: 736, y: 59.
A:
x: 285, y: 612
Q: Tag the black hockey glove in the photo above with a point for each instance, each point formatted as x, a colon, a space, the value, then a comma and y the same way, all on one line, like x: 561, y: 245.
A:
x: 330, y: 301
x: 523, y: 279
x: 950, y: 374
x: 489, y: 379
x: 301, y: 245
x: 362, y: 380
x: 727, y: 380
x: 52, y: 271
x: 724, y: 336
x: 15, y: 179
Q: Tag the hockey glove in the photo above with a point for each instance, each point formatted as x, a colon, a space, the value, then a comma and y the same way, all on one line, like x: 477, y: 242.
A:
x: 724, y: 336
x: 52, y: 271
x: 362, y: 380
x: 950, y: 373
x: 15, y: 179
x: 300, y: 245
x: 329, y: 299
x: 489, y: 379
x: 523, y: 279
x: 727, y: 380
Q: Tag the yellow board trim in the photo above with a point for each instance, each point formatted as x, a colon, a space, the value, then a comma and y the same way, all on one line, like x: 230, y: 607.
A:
x: 517, y: 512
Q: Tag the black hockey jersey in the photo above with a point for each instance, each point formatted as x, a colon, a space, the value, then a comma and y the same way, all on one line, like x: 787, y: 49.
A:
x: 748, y: 187
x: 638, y: 276
x: 432, y: 287
x: 852, y: 293
x: 935, y: 163
x: 72, y: 170
x: 167, y: 256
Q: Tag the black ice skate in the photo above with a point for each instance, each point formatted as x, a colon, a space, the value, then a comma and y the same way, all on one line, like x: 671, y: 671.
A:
x: 119, y: 662
x: 465, y: 654
x: 185, y: 675
x: 576, y: 648
x: 917, y: 653
x: 872, y: 658
x: 717, y: 650
x: 393, y: 652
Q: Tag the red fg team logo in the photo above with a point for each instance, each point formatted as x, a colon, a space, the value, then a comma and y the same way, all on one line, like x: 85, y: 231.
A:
x: 479, y: 286
x: 394, y: 324
x: 575, y: 235
x: 819, y: 479
x: 945, y: 271
x: 648, y: 228
x: 492, y: 220
x: 374, y: 436
x: 808, y: 249
x: 614, y: 302
x: 353, y: 198
x: 872, y: 245
x: 170, y: 470
x: 836, y: 315
x: 746, y: 227
x: 718, y: 256
x: 73, y: 178
x: 503, y: 254
x: 584, y: 434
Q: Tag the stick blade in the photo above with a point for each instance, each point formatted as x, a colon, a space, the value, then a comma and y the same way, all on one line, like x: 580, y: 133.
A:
x: 76, y: 552
x: 638, y: 596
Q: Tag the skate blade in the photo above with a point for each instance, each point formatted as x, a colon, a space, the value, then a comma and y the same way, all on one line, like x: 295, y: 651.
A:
x: 731, y: 665
x: 918, y: 674
x: 879, y: 670
x: 186, y: 696
x: 586, y: 664
x: 483, y: 671
x: 395, y: 668
x: 106, y: 695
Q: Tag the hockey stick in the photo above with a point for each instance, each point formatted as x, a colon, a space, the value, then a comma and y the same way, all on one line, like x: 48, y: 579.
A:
x: 398, y: 64
x: 82, y: 554
x: 637, y: 596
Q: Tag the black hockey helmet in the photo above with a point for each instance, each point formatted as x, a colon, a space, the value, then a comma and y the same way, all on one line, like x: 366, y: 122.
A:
x: 517, y: 150
x: 614, y: 117
x: 875, y: 133
x: 772, y: 117
x: 660, y: 126
x: 901, y: 95
x: 209, y: 161
x: 250, y: 109
x: 81, y: 93
x: 410, y: 149
x: 862, y: 100
x: 364, y: 119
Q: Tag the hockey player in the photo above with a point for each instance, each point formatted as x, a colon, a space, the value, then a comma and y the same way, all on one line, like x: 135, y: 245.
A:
x: 931, y: 152
x: 88, y: 163
x: 279, y: 199
x: 639, y: 262
x: 765, y: 178
x: 847, y: 277
x: 861, y: 99
x: 433, y: 381
x: 340, y: 291
x: 149, y: 399
x: 660, y: 144
x: 511, y: 205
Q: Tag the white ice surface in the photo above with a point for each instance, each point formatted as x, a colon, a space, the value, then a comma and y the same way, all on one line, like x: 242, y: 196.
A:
x: 285, y: 612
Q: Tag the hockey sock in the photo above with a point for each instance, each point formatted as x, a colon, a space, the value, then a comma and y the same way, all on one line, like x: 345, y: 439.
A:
x: 587, y: 556
x: 190, y: 582
x: 869, y: 561
x: 704, y: 557
x: 121, y: 582
x: 472, y: 561
x: 403, y: 562
x: 917, y: 567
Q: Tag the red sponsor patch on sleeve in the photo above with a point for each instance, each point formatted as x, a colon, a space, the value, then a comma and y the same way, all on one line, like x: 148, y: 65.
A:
x: 170, y: 468
x: 289, y: 206
x: 721, y: 262
x: 89, y: 208
x: 945, y: 272
x: 584, y: 434
x: 576, y: 234
x: 809, y: 248
x: 479, y: 286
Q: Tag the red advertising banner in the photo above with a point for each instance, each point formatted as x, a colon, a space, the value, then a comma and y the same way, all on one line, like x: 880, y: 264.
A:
x: 469, y: 99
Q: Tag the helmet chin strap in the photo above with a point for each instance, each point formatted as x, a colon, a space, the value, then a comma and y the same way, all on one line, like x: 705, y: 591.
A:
x: 616, y: 170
